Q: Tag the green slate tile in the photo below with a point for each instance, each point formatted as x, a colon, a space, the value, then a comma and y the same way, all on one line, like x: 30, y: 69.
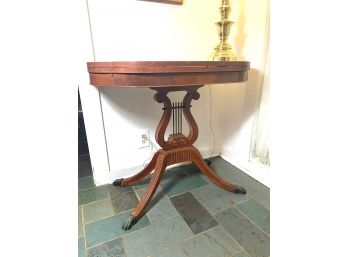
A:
x: 113, y: 248
x: 122, y: 198
x: 160, y: 207
x: 86, y: 182
x: 251, y: 238
x: 152, y: 239
x: 97, y: 210
x: 110, y: 228
x: 194, y: 214
x: 81, y: 247
x: 92, y: 195
x: 214, y: 242
x: 185, y: 184
x: 80, y: 223
x: 174, y: 251
x: 256, y: 212
x: 216, y: 199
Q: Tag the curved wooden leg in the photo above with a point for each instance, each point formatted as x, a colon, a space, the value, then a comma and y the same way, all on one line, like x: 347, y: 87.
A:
x: 139, y: 176
x: 151, y: 189
x: 202, y: 165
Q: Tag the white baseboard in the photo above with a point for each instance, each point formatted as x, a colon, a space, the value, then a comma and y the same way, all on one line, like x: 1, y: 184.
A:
x: 257, y: 171
x: 100, y: 178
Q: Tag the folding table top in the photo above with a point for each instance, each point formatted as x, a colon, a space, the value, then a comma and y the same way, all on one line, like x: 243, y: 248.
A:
x: 166, y: 73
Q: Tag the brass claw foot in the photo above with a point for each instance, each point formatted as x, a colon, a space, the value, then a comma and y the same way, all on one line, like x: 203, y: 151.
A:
x: 117, y: 182
x: 128, y: 223
x: 240, y: 190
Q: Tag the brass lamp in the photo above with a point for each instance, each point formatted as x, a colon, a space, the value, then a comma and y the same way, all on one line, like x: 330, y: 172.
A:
x: 223, y: 51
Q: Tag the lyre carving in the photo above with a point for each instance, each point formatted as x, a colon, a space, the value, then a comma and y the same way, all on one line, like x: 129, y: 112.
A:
x: 175, y: 111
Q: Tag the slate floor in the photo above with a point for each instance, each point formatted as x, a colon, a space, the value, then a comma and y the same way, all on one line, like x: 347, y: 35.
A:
x: 188, y: 217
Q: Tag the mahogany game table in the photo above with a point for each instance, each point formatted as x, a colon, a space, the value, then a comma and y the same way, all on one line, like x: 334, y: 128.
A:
x: 164, y: 77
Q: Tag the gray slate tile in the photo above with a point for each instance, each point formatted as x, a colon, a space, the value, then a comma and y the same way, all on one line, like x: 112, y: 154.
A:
x: 257, y: 213
x: 241, y: 254
x: 216, y: 199
x: 86, y: 182
x: 233, y: 175
x: 251, y: 238
x: 174, y: 251
x: 97, y: 210
x: 160, y: 207
x: 212, y: 243
x: 122, y: 198
x: 182, y: 185
x: 80, y: 223
x: 113, y: 248
x: 152, y: 239
x: 81, y: 247
x: 194, y: 214
x: 92, y: 195
x: 110, y: 228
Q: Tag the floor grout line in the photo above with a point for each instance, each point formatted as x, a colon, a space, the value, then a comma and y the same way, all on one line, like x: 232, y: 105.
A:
x: 92, y: 188
x: 124, y: 235
x: 262, y: 204
x: 244, y: 216
x: 219, y: 225
x: 90, y: 203
x: 182, y: 247
x: 100, y: 219
x: 200, y: 233
x: 235, y: 240
x: 229, y: 206
x: 83, y: 223
x: 127, y: 235
x: 257, y: 226
x: 124, y: 248
x: 166, y: 248
x: 83, y: 229
x: 119, y: 236
x: 184, y: 192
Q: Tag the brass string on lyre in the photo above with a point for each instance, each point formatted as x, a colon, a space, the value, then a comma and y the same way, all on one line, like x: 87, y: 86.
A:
x: 177, y: 109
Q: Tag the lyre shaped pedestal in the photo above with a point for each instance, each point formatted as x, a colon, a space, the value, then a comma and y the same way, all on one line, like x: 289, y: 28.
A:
x: 177, y: 149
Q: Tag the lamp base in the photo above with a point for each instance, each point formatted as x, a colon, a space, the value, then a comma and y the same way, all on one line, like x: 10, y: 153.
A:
x: 223, y: 52
x: 223, y: 56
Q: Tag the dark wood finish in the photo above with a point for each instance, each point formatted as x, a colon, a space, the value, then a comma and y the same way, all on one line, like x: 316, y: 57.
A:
x: 165, y: 77
x: 163, y: 74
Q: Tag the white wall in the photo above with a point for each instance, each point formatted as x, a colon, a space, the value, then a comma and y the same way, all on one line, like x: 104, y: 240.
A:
x: 137, y: 30
x: 251, y: 38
